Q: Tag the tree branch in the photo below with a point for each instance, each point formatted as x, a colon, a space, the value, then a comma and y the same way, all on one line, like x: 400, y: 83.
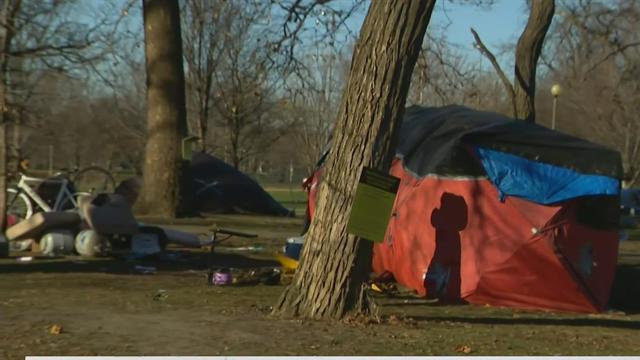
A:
x: 618, y: 50
x: 503, y: 78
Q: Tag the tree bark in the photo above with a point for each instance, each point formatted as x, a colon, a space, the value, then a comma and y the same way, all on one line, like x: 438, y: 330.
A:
x: 334, y: 264
x: 3, y: 125
x: 527, y: 54
x: 522, y: 92
x: 166, y: 111
x: 7, y: 19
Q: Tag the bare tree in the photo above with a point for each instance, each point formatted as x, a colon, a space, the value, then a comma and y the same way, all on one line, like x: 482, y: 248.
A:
x: 205, y: 24
x: 37, y: 37
x: 334, y: 264
x: 246, y: 83
x: 45, y: 36
x: 5, y: 19
x: 594, y: 52
x: 293, y: 21
x: 528, y: 49
x: 315, y: 103
x: 443, y: 75
x: 166, y: 111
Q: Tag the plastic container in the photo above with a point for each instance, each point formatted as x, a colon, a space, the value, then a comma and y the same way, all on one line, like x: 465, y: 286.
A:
x: 57, y: 242
x: 220, y: 277
x: 293, y: 247
x: 21, y: 245
x: 89, y: 243
x: 144, y: 244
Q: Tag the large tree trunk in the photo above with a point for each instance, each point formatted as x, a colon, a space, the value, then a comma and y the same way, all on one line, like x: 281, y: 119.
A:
x: 334, y: 264
x: 3, y: 131
x: 166, y: 112
x: 527, y: 54
x: 7, y: 19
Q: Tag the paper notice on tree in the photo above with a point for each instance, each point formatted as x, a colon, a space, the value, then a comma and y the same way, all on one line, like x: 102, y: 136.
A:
x: 372, y: 205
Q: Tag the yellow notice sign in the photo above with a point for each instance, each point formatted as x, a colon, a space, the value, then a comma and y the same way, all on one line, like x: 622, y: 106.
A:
x: 373, y: 204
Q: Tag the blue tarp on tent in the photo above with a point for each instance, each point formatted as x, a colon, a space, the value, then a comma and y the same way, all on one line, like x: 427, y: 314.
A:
x: 539, y: 182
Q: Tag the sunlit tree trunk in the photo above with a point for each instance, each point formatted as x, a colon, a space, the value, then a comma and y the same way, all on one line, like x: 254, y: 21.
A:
x: 523, y: 89
x: 334, y: 264
x: 7, y: 17
x: 527, y: 53
x: 166, y: 111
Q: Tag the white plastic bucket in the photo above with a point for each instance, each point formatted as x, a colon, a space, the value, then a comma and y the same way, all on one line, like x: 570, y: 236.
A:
x: 90, y: 243
x: 20, y: 245
x: 57, y: 242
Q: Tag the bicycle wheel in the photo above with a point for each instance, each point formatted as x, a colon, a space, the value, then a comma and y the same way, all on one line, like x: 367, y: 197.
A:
x: 18, y: 206
x: 94, y: 180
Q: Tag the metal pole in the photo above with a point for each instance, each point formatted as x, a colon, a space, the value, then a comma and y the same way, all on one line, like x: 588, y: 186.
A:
x: 553, y: 114
x: 290, y: 171
x: 50, y: 160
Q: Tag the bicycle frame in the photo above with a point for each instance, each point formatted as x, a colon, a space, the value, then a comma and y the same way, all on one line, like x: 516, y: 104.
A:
x: 63, y: 193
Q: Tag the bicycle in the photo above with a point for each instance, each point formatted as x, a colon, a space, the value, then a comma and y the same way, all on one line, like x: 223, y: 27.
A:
x: 69, y: 183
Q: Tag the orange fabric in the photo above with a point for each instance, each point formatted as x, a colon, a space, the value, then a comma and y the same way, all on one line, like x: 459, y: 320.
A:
x: 493, y: 252
x: 578, y: 246
x: 532, y: 278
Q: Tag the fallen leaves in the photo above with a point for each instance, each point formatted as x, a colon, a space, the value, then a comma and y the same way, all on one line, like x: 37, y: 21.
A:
x: 465, y: 349
x: 400, y: 320
x: 55, y: 329
x: 160, y: 295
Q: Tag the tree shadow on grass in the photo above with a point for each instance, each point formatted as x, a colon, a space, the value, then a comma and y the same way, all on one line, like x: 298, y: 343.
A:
x: 559, y: 321
x: 171, y: 261
x: 625, y: 297
x: 625, y: 294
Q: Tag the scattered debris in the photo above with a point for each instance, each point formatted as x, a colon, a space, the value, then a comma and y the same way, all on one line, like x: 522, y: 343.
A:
x: 362, y: 320
x: 220, y: 277
x: 25, y: 259
x: 145, y: 269
x: 243, y: 249
x: 160, y: 295
x: 265, y: 309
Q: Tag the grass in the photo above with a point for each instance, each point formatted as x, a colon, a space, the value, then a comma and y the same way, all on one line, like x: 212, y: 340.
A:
x: 291, y: 198
x: 106, y: 308
x: 634, y: 234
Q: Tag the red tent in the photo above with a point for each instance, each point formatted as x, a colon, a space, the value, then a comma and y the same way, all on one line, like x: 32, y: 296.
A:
x: 500, y: 212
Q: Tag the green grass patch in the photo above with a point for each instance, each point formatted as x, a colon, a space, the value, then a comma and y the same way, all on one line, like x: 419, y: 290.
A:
x: 295, y: 199
x: 634, y: 234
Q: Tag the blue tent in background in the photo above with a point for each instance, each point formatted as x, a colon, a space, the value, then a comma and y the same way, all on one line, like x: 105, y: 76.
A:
x: 218, y: 187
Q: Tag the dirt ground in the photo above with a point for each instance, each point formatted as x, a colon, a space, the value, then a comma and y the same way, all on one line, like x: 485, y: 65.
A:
x: 104, y: 307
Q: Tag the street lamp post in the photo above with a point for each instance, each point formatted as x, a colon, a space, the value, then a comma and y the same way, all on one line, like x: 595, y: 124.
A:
x: 555, y: 92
